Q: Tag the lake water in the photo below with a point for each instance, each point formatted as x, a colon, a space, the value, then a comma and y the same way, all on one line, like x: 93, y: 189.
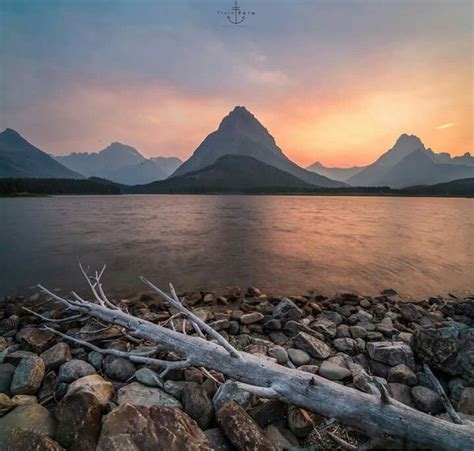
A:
x: 284, y: 245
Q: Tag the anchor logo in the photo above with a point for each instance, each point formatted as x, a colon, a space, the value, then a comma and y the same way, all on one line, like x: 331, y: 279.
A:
x: 237, y: 15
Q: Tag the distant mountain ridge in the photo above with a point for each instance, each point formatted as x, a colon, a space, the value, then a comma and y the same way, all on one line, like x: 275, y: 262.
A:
x: 340, y: 174
x: 240, y: 133
x: 19, y: 158
x: 121, y: 163
x: 228, y: 174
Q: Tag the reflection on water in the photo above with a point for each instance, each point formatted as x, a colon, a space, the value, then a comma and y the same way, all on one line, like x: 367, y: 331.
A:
x: 285, y: 245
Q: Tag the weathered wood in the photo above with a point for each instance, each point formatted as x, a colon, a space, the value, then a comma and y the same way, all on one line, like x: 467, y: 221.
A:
x: 365, y: 412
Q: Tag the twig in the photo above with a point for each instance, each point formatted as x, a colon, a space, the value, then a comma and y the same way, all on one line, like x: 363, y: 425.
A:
x: 341, y: 442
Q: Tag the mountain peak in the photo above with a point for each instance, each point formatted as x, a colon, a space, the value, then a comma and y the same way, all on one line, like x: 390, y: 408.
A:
x: 9, y: 132
x: 120, y: 148
x: 242, y: 119
x: 411, y: 141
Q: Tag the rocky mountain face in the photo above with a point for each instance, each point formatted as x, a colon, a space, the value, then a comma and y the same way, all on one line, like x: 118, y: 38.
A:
x: 228, y: 174
x: 121, y: 164
x: 409, y: 162
x: 240, y: 133
x: 19, y: 158
x: 340, y: 174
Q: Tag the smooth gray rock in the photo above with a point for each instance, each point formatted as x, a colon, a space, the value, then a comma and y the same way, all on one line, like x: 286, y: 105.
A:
x: 298, y: 357
x: 141, y: 395
x: 427, y: 400
x: 74, y: 369
x: 334, y: 372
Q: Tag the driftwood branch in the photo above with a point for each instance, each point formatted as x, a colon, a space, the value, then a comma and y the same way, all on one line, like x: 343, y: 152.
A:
x: 368, y: 413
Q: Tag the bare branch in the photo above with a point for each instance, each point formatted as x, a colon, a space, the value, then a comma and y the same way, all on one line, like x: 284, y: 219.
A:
x: 52, y: 320
x: 341, y: 442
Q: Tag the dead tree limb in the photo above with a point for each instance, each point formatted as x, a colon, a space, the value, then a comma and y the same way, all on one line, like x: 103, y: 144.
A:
x: 365, y: 412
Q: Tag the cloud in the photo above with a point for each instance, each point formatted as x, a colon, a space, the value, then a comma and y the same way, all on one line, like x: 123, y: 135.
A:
x: 448, y: 125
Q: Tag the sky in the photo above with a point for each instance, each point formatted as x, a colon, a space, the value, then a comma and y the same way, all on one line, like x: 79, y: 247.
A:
x: 335, y: 81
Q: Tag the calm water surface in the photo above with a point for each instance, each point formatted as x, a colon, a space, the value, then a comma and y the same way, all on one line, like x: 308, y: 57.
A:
x: 285, y: 245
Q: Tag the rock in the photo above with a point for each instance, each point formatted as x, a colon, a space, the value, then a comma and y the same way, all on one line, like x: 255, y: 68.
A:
x: 343, y: 331
x: 217, y: 440
x: 362, y: 380
x: 95, y: 359
x: 55, y: 356
x: 466, y: 403
x: 241, y: 430
x: 28, y: 376
x: 406, y: 337
x: 400, y: 392
x: 15, y: 357
x: 193, y: 375
x: 427, y: 400
x: 279, y: 338
x: 94, y: 384
x: 140, y: 395
x: 345, y: 345
x: 6, y: 404
x: 410, y: 313
x: 119, y: 369
x: 74, y: 369
x: 31, y: 417
x: 148, y: 377
x: 391, y: 353
x: 379, y: 369
x: 268, y: 411
x: 456, y: 387
x: 35, y: 340
x: 298, y: 357
x: 449, y: 349
x: 402, y: 374
x: 324, y: 326
x: 286, y: 310
x: 314, y: 347
x: 31, y: 441
x: 334, y: 372
x: 6, y: 375
x: 18, y: 400
x: 250, y: 318
x: 299, y: 424
x: 174, y: 388
x: 78, y: 419
x: 230, y: 391
x: 133, y: 428
x: 197, y: 404
x: 279, y: 439
x: 358, y: 332
x: 279, y: 353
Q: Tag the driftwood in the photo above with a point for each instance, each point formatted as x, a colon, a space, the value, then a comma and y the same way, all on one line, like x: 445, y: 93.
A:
x: 374, y: 415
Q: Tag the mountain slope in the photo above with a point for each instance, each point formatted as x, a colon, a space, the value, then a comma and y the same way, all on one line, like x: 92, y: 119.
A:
x: 339, y: 174
x: 19, y: 158
x: 418, y: 168
x: 240, y: 133
x: 228, y: 174
x: 462, y: 187
x: 122, y: 164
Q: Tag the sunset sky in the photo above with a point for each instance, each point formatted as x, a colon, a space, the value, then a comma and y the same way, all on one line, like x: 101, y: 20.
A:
x: 335, y: 80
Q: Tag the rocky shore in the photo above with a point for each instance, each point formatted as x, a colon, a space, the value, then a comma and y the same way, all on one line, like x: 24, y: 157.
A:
x: 56, y: 394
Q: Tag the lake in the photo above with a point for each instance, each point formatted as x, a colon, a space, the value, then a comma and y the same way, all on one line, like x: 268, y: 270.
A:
x: 281, y: 244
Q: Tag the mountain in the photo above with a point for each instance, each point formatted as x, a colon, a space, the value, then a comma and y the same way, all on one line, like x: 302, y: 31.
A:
x: 122, y: 164
x: 339, y: 174
x: 240, y: 133
x: 462, y: 187
x: 418, y: 168
x: 19, y: 158
x: 228, y: 174
x: 393, y: 167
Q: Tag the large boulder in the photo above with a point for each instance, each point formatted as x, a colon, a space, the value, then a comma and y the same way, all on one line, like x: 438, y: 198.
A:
x: 28, y: 376
x: 447, y: 348
x: 141, y: 395
x: 133, y: 428
x: 241, y: 430
x: 21, y: 440
x: 78, y: 421
x: 31, y: 417
x: 314, y: 347
x: 391, y: 353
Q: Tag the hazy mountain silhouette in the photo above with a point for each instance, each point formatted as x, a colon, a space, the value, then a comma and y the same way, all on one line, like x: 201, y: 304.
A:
x: 340, y: 174
x: 19, y: 158
x: 427, y: 167
x: 418, y: 168
x: 122, y: 164
x: 229, y: 173
x: 240, y: 133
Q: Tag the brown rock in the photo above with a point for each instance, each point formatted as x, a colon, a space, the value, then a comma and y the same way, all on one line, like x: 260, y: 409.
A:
x: 197, y: 404
x: 241, y: 430
x: 314, y: 347
x: 34, y: 339
x: 28, y: 376
x: 94, y: 384
x: 466, y: 403
x: 31, y: 441
x: 132, y: 428
x: 250, y: 318
x: 55, y: 356
x: 78, y: 417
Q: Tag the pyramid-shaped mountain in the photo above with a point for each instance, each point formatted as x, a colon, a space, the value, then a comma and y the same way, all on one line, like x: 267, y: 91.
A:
x: 240, y: 133
x: 19, y: 158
